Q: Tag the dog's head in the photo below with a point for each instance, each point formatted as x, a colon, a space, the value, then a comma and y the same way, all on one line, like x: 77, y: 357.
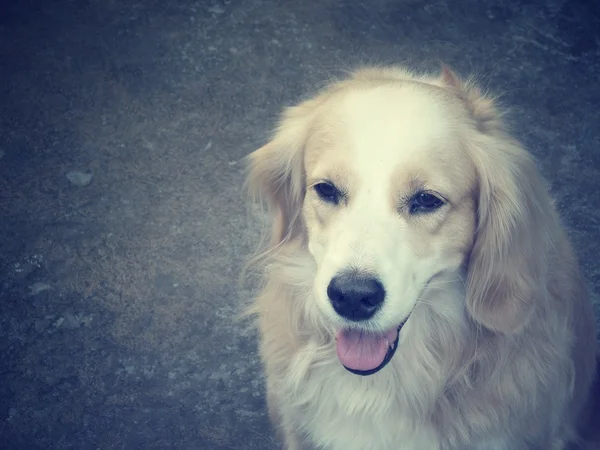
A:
x: 395, y: 183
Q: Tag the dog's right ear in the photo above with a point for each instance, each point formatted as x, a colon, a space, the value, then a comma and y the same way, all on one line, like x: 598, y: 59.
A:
x: 276, y: 173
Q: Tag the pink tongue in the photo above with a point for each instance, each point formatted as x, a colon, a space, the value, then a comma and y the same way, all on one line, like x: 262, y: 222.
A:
x: 359, y: 350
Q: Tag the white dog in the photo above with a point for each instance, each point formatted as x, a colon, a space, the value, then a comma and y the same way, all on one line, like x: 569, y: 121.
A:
x: 420, y: 292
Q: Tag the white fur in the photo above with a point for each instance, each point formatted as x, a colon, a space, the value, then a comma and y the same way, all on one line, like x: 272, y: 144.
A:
x: 368, y: 234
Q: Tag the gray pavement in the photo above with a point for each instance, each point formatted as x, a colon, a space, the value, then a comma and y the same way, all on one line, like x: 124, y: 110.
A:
x: 122, y: 219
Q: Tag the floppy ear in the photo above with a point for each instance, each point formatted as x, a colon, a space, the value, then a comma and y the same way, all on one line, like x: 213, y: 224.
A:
x: 508, y: 265
x: 276, y: 174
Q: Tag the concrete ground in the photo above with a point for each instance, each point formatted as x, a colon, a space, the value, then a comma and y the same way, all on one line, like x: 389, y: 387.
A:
x: 122, y: 219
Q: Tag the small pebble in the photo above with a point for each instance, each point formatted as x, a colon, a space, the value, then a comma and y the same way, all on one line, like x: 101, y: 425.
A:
x: 70, y: 321
x: 216, y: 9
x: 77, y: 178
x: 36, y: 288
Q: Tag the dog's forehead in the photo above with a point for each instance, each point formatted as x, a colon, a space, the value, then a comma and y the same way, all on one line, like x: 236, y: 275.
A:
x: 388, y: 132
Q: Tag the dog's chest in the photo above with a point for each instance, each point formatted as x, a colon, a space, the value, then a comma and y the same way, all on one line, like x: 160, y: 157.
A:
x: 353, y: 413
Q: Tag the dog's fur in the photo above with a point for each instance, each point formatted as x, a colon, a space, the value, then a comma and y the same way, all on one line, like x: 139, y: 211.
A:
x: 498, y: 349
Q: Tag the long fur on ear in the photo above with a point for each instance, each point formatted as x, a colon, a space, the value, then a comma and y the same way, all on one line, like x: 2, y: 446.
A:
x: 508, y: 263
x: 276, y: 175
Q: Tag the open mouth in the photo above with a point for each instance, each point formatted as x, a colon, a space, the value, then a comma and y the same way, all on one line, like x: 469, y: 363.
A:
x: 365, y: 353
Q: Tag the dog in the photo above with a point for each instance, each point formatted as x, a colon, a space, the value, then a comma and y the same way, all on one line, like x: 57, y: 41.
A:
x: 419, y: 289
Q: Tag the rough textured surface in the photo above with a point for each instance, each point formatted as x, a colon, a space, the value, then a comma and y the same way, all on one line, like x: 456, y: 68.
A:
x: 118, y: 291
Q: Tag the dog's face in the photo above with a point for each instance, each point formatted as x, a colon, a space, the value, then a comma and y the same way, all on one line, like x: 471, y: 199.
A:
x: 394, y: 183
x: 389, y: 201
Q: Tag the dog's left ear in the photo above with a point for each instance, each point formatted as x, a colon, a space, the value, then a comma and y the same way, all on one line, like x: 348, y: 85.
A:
x: 508, y: 266
x: 276, y: 173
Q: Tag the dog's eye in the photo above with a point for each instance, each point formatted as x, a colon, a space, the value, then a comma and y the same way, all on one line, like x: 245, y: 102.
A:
x: 328, y: 192
x: 424, y: 202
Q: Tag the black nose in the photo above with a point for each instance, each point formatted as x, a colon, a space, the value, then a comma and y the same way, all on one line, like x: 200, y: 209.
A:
x: 354, y: 296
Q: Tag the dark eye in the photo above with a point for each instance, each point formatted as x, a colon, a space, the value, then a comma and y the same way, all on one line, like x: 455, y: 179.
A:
x: 424, y: 202
x: 328, y: 192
